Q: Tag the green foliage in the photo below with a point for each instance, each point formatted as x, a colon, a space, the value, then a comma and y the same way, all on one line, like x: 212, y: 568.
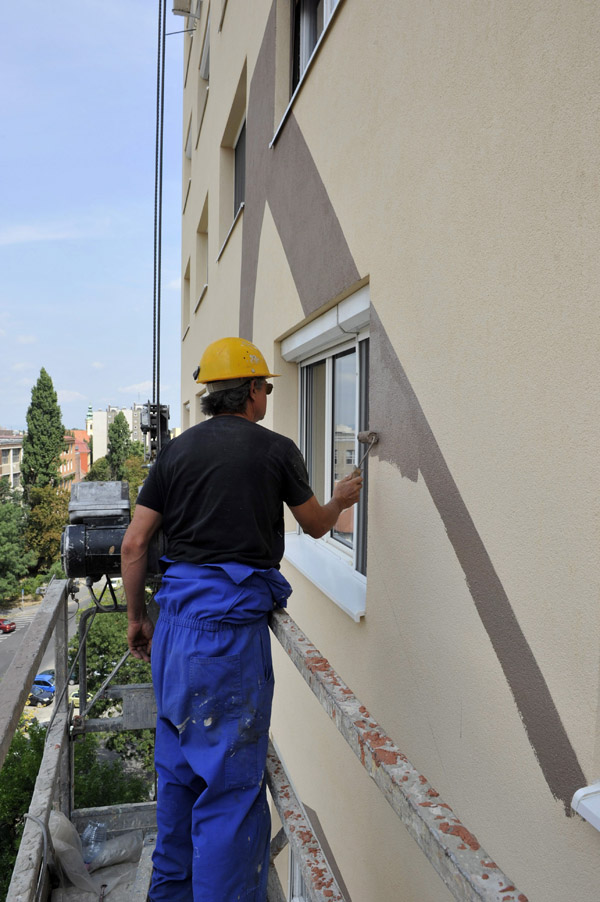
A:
x: 103, y: 782
x: 48, y: 515
x: 44, y: 441
x: 40, y: 579
x: 15, y: 561
x: 134, y: 472
x: 99, y: 471
x: 136, y: 449
x: 17, y: 780
x: 119, y: 445
x: 134, y: 744
x: 106, y: 644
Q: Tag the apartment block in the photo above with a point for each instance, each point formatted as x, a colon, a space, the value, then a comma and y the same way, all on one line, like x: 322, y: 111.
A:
x: 398, y: 203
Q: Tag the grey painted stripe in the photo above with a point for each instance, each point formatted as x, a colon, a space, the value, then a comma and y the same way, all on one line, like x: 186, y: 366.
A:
x: 409, y: 444
x: 285, y: 176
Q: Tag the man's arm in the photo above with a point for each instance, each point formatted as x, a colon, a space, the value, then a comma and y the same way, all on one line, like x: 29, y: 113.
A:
x: 134, y: 556
x: 317, y: 519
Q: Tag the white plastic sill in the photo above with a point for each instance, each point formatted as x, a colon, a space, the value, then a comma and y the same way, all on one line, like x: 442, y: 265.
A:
x: 332, y: 575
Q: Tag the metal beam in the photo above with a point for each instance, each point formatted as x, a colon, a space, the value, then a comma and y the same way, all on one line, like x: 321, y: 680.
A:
x: 465, y: 867
x: 320, y: 883
x: 18, y: 679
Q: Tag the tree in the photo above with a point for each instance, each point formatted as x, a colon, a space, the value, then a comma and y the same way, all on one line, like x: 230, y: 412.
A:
x: 99, y: 783
x: 106, y: 642
x: 15, y: 561
x: 99, y: 471
x: 48, y: 516
x: 119, y: 443
x: 44, y: 442
x: 134, y: 472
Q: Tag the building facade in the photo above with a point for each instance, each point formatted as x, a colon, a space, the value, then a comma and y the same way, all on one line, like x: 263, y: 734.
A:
x: 98, y: 422
x: 398, y: 204
x: 11, y: 455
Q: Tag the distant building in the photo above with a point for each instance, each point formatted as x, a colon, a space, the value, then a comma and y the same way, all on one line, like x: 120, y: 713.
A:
x: 67, y: 470
x: 99, y: 421
x: 82, y: 452
x: 11, y: 456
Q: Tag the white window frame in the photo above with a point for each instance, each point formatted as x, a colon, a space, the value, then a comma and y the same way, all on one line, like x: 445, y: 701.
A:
x: 329, y: 564
x: 297, y: 891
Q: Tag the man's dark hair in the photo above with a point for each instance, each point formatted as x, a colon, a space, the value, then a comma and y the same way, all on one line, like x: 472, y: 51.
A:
x: 230, y: 400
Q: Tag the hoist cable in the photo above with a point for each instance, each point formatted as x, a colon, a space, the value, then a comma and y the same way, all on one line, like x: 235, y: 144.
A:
x: 156, y: 166
x: 160, y: 188
x: 158, y: 181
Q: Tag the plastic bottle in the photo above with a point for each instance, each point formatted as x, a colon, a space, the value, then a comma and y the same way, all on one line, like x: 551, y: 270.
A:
x: 92, y: 840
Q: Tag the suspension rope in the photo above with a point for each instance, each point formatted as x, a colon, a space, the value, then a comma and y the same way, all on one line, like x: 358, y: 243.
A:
x: 158, y: 182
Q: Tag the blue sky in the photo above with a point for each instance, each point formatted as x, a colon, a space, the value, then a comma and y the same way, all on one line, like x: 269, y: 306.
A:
x: 77, y: 140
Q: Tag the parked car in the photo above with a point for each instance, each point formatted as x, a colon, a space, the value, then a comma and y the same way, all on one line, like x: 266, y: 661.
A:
x: 45, y: 682
x: 76, y: 698
x: 50, y: 674
x: 40, y: 696
x: 7, y: 626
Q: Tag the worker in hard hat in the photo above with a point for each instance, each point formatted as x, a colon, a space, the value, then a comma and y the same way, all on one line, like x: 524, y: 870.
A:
x: 218, y: 492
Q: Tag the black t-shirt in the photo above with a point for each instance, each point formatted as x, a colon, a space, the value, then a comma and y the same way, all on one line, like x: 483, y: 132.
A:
x: 220, y: 487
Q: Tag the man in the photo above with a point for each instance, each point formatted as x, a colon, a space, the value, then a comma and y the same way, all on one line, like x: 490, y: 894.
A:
x: 218, y: 492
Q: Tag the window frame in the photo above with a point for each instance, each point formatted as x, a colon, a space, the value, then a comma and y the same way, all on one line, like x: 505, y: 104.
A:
x: 357, y: 553
x: 326, y: 561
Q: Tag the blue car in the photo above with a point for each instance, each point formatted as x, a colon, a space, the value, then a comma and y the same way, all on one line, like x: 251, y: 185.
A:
x: 45, y: 681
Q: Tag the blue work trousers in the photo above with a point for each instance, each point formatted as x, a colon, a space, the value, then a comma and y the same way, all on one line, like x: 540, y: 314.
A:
x: 214, y: 687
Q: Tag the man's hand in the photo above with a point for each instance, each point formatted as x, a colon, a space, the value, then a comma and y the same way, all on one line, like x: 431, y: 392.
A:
x: 347, y: 491
x: 317, y: 519
x: 139, y: 638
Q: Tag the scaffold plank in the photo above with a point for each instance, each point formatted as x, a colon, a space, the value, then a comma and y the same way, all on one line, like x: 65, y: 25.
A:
x: 465, y: 867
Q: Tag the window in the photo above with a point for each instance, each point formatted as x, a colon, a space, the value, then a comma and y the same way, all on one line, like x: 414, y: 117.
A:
x: 332, y: 414
x: 239, y: 167
x: 232, y: 175
x: 333, y: 355
x: 310, y: 18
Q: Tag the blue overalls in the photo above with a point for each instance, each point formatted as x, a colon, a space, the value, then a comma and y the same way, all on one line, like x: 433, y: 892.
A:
x: 213, y: 679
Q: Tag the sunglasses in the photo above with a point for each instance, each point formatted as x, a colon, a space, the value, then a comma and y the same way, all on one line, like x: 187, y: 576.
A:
x: 268, y: 387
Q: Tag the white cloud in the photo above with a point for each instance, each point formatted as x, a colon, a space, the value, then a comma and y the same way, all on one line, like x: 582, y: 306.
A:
x: 26, y: 339
x: 65, y: 395
x: 53, y: 231
x: 174, y: 284
x: 97, y: 365
x: 140, y: 387
x: 23, y: 365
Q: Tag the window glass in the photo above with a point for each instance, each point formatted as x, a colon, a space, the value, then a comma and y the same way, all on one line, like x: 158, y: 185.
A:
x: 344, y: 435
x: 315, y: 420
x: 240, y: 170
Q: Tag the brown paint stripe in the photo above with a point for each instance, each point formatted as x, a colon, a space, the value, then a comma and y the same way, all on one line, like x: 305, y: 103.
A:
x: 410, y: 445
x: 286, y: 177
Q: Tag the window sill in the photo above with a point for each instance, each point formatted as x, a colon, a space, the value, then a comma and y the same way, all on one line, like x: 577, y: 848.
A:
x: 187, y: 194
x: 201, y: 296
x: 237, y: 216
x: 326, y: 569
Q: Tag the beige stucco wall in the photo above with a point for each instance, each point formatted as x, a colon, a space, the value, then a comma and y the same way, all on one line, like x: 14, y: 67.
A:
x: 458, y: 146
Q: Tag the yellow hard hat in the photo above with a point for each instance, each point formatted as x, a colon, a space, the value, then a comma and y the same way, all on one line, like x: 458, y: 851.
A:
x: 232, y: 358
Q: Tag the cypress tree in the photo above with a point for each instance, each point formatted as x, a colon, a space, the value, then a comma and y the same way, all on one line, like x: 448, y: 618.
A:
x: 44, y: 442
x: 119, y: 444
